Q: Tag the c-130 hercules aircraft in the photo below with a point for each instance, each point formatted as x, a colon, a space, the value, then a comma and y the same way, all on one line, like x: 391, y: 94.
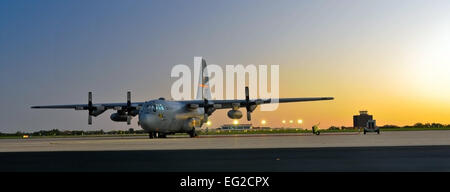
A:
x: 161, y: 117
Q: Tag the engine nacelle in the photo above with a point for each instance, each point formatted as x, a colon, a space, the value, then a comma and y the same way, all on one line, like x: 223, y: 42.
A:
x: 118, y: 117
x: 99, y: 110
x: 192, y: 106
x: 234, y: 114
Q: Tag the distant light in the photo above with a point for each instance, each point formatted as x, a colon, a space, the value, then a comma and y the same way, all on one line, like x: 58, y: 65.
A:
x: 284, y: 121
x: 263, y: 122
x: 291, y: 121
x: 299, y: 121
x: 235, y: 122
x: 208, y: 123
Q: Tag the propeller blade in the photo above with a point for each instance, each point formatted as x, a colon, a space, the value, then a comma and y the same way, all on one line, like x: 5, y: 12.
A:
x: 208, y: 108
x: 90, y: 98
x: 90, y: 120
x: 129, y: 99
x: 247, y: 94
x: 205, y: 110
x: 247, y: 103
x: 90, y: 108
x: 205, y: 118
x: 128, y: 107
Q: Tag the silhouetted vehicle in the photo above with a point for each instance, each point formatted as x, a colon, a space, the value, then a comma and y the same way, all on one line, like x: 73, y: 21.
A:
x: 371, y: 127
x: 315, y: 129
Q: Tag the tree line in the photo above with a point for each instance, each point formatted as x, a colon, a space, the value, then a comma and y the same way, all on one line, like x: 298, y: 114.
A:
x: 417, y: 125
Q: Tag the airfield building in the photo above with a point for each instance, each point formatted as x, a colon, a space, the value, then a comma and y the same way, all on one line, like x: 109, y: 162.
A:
x: 236, y: 127
x: 360, y: 121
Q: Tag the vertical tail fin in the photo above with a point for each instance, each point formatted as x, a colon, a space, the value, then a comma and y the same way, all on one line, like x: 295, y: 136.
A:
x: 203, y: 90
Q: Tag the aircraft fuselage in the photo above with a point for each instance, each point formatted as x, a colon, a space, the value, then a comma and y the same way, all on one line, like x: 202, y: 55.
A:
x: 169, y: 117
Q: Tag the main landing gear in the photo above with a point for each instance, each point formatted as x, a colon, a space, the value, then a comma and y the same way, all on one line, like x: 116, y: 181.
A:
x: 193, y: 133
x: 152, y: 135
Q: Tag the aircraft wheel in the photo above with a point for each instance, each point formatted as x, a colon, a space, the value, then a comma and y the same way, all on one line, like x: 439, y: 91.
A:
x: 378, y: 131
x: 364, y: 132
x: 193, y: 133
x: 150, y: 135
x: 317, y: 133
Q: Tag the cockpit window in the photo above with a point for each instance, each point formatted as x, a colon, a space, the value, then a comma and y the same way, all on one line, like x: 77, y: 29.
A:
x: 151, y: 107
x: 157, y: 107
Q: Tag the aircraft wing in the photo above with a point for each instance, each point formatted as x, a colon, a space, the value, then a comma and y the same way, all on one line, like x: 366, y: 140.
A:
x: 249, y: 104
x: 224, y: 104
x: 86, y: 106
x: 124, y: 110
x: 98, y: 106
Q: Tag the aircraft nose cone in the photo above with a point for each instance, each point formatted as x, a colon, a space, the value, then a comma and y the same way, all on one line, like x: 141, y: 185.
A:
x: 146, y: 120
x: 143, y: 118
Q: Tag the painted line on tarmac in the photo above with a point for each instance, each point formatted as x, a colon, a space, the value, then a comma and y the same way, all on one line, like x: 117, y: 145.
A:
x: 272, y: 135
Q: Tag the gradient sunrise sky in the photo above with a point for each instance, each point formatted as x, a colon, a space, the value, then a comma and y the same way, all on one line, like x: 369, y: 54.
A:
x: 391, y: 58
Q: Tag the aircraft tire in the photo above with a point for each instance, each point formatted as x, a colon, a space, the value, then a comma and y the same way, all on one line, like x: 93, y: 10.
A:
x: 150, y: 135
x: 192, y: 133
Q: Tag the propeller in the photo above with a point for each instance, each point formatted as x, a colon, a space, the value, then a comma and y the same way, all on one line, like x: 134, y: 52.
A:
x: 90, y: 108
x: 128, y: 108
x: 247, y: 105
x: 95, y: 110
x: 250, y: 106
x: 208, y: 109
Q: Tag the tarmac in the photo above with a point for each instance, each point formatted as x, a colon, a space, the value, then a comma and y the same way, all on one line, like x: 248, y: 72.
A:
x: 389, y: 151
x: 351, y: 139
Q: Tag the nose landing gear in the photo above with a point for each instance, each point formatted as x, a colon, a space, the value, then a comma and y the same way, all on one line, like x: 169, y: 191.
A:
x: 153, y: 135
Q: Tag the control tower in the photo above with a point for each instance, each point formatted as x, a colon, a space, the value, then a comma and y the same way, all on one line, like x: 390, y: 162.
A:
x: 360, y: 121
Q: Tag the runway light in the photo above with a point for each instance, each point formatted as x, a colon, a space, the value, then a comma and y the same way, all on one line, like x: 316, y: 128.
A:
x: 263, y: 122
x: 291, y: 121
x: 208, y: 123
x: 299, y: 121
x: 235, y: 122
x: 284, y: 121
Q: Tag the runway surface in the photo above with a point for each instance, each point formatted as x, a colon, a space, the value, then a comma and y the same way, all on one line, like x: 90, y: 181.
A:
x: 393, y: 138
x: 414, y: 158
x: 389, y: 151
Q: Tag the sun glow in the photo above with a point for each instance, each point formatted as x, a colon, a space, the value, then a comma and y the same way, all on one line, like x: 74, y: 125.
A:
x: 431, y: 63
